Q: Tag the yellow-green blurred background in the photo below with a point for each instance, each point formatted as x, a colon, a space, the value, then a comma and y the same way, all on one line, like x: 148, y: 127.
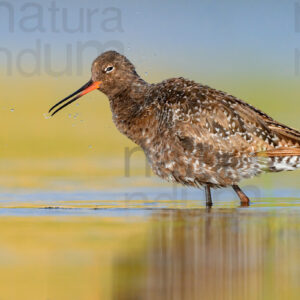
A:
x: 247, y: 49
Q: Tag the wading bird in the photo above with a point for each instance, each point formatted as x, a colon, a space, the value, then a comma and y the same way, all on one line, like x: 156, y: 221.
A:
x: 191, y: 134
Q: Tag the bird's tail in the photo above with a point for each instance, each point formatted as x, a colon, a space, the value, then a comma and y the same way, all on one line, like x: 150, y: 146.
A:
x: 280, y: 159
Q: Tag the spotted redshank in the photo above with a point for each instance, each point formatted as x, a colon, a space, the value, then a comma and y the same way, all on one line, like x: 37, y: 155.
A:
x: 191, y: 134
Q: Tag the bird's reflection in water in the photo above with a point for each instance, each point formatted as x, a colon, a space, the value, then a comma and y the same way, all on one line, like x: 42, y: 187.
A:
x: 217, y: 254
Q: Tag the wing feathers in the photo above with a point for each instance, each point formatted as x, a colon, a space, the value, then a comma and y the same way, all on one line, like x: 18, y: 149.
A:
x: 280, y: 152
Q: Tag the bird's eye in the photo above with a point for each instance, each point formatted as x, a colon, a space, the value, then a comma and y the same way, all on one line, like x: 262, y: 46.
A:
x: 108, y: 69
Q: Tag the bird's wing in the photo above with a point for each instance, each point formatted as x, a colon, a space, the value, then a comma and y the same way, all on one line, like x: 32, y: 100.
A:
x: 287, y: 136
x: 212, y: 117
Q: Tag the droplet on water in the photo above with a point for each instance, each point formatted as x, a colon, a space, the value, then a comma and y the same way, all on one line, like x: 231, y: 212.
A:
x: 12, y: 109
x: 90, y: 146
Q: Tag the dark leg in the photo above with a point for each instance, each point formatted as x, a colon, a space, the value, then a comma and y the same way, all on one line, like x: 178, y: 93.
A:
x: 208, y: 196
x: 244, y: 199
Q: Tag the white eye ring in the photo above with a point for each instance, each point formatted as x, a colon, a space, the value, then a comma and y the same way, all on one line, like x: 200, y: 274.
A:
x: 108, y: 69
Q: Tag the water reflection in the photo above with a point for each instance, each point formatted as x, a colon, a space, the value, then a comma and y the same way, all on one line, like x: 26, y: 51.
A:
x: 216, y: 254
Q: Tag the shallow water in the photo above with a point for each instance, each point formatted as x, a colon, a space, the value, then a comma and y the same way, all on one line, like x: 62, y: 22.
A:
x: 148, y: 243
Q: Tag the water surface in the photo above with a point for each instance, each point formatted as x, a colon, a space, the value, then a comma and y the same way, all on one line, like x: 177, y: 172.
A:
x: 142, y: 244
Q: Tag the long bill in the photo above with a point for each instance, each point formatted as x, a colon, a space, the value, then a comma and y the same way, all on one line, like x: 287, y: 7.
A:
x: 88, y: 87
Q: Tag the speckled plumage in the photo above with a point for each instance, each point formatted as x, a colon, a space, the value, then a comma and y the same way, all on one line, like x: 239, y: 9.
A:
x: 193, y: 134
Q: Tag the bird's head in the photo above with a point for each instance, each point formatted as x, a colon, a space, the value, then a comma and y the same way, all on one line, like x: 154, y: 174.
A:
x: 112, y: 73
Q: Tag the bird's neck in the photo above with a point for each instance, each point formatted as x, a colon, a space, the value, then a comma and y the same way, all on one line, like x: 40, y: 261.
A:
x: 128, y: 108
x: 129, y: 101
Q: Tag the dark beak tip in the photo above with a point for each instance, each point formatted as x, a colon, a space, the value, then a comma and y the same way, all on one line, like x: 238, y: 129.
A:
x: 70, y: 101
